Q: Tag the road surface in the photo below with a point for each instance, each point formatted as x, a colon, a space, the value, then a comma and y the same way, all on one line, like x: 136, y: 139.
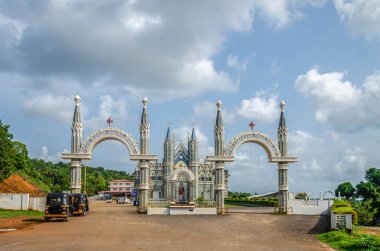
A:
x: 119, y: 227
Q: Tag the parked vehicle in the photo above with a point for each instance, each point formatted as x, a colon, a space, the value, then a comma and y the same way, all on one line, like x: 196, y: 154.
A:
x: 57, y: 206
x: 108, y: 199
x: 79, y: 204
x: 123, y: 200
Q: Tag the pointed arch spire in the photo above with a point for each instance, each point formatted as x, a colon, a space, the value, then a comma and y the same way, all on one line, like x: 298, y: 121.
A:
x: 282, y: 122
x: 219, y: 131
x: 77, y: 117
x: 219, y: 119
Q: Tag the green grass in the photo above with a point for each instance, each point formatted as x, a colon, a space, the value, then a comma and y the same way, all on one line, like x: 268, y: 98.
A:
x: 340, y: 240
x: 231, y: 205
x: 5, y: 213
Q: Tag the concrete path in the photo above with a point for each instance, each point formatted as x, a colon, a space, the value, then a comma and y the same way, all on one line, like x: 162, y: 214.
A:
x: 118, y: 227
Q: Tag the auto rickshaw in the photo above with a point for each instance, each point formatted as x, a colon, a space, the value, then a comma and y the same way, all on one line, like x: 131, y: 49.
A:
x: 57, y: 206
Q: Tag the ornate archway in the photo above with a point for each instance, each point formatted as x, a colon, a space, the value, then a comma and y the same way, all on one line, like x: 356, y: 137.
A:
x: 182, y: 185
x: 110, y: 134
x: 259, y: 138
x: 277, y: 153
x: 83, y: 151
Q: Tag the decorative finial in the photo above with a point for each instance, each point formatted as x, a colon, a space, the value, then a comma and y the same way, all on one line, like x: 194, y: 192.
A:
x: 219, y: 104
x: 282, y: 105
x: 145, y: 101
x: 77, y: 99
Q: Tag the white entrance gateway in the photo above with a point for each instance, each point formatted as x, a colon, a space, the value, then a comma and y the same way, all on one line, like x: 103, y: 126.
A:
x: 181, y: 180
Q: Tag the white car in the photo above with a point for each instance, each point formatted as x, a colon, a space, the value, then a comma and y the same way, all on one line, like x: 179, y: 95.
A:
x: 123, y: 200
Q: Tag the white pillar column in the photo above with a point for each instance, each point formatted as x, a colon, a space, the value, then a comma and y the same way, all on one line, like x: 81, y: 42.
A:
x: 76, y: 176
x: 219, y: 187
x: 283, y: 187
x: 143, y: 186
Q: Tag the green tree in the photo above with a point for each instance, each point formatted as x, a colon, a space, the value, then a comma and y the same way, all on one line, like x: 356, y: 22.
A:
x: 370, y: 191
x: 301, y: 195
x: 13, y: 154
x: 346, y: 190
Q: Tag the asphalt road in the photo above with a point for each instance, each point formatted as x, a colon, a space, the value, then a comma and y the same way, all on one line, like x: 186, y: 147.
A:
x: 119, y: 227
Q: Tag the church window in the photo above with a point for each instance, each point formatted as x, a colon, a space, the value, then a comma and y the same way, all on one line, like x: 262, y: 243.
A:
x: 208, y: 177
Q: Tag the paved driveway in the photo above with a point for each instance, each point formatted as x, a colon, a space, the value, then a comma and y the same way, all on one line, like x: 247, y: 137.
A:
x: 119, y: 227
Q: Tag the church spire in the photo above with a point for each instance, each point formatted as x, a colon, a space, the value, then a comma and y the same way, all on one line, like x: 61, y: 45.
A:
x: 193, y: 136
x: 144, y: 129
x: 168, y: 137
x: 76, y: 128
x: 219, y: 131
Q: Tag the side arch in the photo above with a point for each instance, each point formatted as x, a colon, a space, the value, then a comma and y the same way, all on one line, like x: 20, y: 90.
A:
x: 110, y: 134
x: 259, y: 138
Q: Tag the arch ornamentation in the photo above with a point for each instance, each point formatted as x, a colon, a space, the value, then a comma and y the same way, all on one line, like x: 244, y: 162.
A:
x: 259, y: 138
x: 110, y: 134
x: 187, y: 172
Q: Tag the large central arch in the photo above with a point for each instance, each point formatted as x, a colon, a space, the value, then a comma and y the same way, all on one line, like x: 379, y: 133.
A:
x: 259, y: 138
x: 110, y: 134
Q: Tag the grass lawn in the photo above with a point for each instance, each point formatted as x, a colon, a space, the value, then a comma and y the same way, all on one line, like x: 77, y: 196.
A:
x: 6, y: 213
x: 340, y: 240
x: 232, y: 206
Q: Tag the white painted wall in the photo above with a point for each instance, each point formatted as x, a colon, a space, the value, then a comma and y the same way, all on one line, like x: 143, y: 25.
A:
x: 14, y: 201
x: 314, y: 207
x: 37, y: 203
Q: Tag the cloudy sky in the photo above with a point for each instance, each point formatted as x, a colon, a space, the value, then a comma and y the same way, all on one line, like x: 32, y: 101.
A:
x: 322, y: 57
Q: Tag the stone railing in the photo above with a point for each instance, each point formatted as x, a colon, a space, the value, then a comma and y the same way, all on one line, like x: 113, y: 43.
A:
x: 158, y: 203
x: 207, y: 203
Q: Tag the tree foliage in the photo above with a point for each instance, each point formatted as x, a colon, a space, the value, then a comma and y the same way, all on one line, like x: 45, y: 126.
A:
x: 346, y: 189
x: 13, y: 154
x: 369, y: 191
x: 301, y: 195
x: 52, y: 177
x: 238, y: 194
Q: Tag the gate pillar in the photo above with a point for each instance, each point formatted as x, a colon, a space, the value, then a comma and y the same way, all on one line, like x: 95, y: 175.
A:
x: 76, y: 176
x: 219, y: 187
x: 283, y: 187
x: 143, y: 188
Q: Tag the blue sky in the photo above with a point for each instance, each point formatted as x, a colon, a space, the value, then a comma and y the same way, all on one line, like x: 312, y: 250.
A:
x: 321, y: 57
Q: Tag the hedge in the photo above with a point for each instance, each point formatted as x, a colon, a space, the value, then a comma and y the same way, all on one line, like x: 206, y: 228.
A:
x: 342, y: 207
x: 250, y: 202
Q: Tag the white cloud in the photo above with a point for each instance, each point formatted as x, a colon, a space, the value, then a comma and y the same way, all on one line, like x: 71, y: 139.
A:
x: 240, y: 64
x: 340, y: 102
x: 360, y: 16
x: 44, y: 155
x: 262, y: 107
x: 282, y: 12
x: 56, y: 108
x: 141, y: 46
x: 108, y: 107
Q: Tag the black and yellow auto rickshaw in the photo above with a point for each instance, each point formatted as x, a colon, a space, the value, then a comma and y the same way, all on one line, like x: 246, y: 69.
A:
x: 57, y: 206
x: 79, y: 204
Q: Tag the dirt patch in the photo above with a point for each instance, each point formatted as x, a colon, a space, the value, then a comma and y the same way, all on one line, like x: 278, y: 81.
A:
x: 19, y: 223
x: 17, y: 184
x: 375, y: 232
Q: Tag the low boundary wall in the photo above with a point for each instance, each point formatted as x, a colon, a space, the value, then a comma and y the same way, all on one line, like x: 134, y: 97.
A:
x: 310, y: 207
x: 15, y: 201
